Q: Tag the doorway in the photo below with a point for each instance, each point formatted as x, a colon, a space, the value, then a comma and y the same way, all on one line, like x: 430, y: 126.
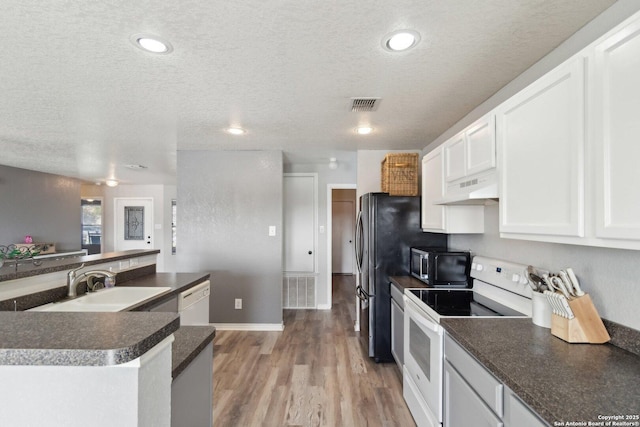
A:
x: 342, y: 232
x: 341, y: 215
x: 133, y: 224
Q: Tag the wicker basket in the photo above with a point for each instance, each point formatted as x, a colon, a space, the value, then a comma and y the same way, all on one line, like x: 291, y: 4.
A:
x: 400, y: 174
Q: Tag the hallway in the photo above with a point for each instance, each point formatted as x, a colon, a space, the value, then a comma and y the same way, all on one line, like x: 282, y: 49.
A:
x: 314, y: 373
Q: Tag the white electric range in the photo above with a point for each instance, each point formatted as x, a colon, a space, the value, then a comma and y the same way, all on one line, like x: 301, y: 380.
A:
x: 500, y: 289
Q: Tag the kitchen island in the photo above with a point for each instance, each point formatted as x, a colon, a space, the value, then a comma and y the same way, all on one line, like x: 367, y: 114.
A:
x: 561, y: 382
x: 133, y: 367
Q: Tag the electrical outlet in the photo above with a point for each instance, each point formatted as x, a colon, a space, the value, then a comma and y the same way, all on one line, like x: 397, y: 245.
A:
x: 133, y: 262
x: 238, y: 303
x: 124, y: 265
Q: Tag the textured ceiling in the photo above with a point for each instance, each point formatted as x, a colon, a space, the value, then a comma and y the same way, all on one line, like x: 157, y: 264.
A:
x: 78, y: 99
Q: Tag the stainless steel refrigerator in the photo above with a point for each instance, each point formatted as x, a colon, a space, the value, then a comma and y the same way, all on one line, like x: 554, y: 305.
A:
x: 386, y: 229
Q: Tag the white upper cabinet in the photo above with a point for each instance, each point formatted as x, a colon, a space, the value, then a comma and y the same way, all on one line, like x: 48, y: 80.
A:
x: 616, y: 134
x: 481, y: 146
x: 432, y: 190
x: 568, y: 149
x: 441, y: 218
x: 455, y: 157
x: 471, y: 151
x: 541, y: 142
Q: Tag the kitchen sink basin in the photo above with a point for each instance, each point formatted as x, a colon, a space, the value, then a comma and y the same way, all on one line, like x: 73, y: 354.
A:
x: 111, y: 299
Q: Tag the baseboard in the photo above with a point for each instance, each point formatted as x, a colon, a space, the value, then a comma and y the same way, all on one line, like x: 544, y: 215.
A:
x: 324, y: 307
x: 249, y: 326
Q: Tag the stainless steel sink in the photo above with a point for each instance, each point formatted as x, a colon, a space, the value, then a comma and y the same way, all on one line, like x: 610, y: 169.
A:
x: 112, y: 299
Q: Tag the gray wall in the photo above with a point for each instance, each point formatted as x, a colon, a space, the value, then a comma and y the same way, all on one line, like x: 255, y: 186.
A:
x: 43, y: 205
x: 226, y: 202
x: 610, y: 276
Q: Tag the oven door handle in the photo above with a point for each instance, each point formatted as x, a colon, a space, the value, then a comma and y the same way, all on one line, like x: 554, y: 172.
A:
x: 415, y: 315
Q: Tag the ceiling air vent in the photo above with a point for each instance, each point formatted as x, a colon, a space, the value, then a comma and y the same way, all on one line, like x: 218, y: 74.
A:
x: 359, y: 105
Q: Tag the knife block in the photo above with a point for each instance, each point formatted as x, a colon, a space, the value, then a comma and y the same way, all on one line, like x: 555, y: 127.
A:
x: 585, y: 327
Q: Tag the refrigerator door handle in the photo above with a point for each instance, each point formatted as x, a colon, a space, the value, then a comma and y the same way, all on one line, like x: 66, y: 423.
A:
x: 358, y: 245
x: 362, y: 294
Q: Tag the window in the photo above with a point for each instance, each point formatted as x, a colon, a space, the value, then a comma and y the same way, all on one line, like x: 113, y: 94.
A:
x: 173, y: 227
x: 91, y: 225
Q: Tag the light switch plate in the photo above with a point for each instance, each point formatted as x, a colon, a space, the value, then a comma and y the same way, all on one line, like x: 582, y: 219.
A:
x: 272, y: 230
x: 321, y: 229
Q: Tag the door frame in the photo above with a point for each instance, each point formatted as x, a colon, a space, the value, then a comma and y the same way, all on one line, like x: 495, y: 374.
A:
x: 115, y: 219
x: 329, y: 266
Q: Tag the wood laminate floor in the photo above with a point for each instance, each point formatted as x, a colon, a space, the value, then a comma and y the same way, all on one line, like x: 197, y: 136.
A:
x: 314, y: 373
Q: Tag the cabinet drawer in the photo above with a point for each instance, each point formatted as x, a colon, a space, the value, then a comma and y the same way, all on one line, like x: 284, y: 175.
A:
x: 484, y: 384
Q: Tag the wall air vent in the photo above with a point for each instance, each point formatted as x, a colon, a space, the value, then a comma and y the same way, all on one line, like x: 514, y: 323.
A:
x: 359, y: 105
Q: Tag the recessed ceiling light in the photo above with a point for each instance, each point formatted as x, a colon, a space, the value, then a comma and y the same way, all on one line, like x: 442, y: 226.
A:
x: 400, y: 40
x: 135, y: 167
x: 236, y: 131
x: 111, y: 182
x: 151, y: 43
x: 364, y: 130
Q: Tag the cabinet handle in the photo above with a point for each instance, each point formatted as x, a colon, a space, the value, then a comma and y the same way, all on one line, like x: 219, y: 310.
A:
x: 310, y: 252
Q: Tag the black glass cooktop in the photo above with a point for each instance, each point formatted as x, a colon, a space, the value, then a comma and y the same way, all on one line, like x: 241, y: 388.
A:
x: 462, y: 303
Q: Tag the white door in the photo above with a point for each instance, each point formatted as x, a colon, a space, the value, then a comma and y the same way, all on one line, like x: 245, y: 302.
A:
x: 134, y: 224
x: 342, y: 235
x: 299, y: 223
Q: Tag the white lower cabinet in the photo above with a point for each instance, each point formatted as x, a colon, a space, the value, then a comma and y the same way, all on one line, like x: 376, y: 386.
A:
x: 462, y: 406
x: 474, y: 397
x: 397, y: 326
x: 517, y: 413
x: 443, y: 218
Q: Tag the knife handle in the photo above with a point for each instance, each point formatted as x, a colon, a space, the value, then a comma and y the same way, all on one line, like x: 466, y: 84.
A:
x: 574, y: 282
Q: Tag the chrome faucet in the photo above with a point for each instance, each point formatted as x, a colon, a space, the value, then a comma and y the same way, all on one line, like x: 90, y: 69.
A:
x: 73, y: 278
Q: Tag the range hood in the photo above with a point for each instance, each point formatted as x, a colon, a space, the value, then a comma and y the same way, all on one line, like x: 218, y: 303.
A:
x: 481, y: 190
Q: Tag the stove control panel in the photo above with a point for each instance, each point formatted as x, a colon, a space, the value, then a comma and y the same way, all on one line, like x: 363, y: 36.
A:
x: 503, y: 274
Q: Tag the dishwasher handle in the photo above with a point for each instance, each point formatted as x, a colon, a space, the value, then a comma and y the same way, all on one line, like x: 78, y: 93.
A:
x: 193, y: 295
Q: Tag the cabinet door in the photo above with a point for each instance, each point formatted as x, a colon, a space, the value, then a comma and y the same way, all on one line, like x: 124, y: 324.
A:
x: 462, y: 406
x: 540, y: 133
x: 455, y: 158
x: 397, y: 333
x: 517, y: 414
x: 432, y: 189
x: 616, y: 130
x: 481, y: 145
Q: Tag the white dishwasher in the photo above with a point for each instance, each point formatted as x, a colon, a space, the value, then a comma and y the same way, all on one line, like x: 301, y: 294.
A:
x: 193, y: 305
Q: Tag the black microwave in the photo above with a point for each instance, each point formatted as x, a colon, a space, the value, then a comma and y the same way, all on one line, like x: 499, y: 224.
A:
x: 438, y: 267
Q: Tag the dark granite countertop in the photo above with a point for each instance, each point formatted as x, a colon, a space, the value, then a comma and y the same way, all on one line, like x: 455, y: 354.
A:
x: 560, y: 381
x: 80, y: 339
x: 178, y: 282
x: 52, y: 265
x: 407, y: 282
x: 189, y: 342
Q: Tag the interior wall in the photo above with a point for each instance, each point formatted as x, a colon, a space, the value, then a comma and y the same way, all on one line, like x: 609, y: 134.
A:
x: 610, y: 276
x: 226, y: 202
x: 344, y: 174
x: 42, y: 205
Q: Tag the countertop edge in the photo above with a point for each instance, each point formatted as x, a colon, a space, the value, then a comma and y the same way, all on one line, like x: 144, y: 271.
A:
x: 189, y: 342
x: 76, y: 262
